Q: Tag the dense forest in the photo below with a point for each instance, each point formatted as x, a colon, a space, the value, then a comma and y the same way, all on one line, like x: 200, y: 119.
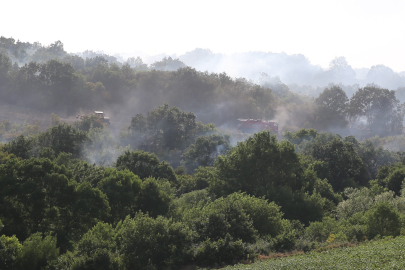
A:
x: 171, y: 183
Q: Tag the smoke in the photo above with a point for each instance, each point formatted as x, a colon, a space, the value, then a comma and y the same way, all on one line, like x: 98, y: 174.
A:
x: 292, y: 69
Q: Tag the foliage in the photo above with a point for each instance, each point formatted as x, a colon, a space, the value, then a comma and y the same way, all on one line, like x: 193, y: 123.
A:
x: 147, y: 243
x: 97, y: 250
x: 392, y: 177
x: 155, y: 197
x: 332, y: 112
x: 122, y: 189
x: 380, y: 107
x: 37, y: 196
x: 205, y: 150
x: 163, y: 129
x: 257, y: 166
x: 168, y: 63
x: 382, y: 219
x: 89, y: 121
x: 223, y: 251
x: 300, y: 136
x: 346, y: 168
x: 63, y: 138
x: 145, y: 165
x: 10, y: 249
x: 37, y: 252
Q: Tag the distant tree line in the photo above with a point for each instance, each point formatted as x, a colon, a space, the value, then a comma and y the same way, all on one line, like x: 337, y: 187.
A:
x: 68, y: 84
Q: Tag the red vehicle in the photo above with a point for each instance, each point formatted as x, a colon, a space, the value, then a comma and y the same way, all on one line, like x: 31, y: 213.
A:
x: 253, y: 126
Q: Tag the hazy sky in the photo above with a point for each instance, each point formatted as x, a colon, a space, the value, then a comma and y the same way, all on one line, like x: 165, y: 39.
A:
x: 367, y: 33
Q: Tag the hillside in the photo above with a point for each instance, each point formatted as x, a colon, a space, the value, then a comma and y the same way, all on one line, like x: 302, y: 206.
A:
x: 383, y: 254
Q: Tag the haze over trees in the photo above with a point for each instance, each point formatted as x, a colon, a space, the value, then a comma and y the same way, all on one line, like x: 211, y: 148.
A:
x: 171, y: 182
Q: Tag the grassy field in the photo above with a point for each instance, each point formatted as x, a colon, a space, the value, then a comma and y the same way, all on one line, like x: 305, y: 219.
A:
x: 383, y: 254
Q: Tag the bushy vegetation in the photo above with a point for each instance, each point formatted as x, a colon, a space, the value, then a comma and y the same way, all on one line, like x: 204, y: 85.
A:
x: 169, y: 191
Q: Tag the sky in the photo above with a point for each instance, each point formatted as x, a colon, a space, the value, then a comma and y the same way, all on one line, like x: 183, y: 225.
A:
x: 367, y: 33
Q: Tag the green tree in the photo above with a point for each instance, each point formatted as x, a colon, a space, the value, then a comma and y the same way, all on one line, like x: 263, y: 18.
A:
x: 37, y: 196
x: 375, y: 157
x: 37, y: 252
x: 163, y: 128
x: 382, y: 219
x: 300, y: 136
x: 332, y: 109
x: 257, y: 166
x: 145, y: 165
x: 380, y: 107
x: 205, y: 150
x: 155, y: 197
x: 20, y: 147
x: 33, y: 194
x: 97, y: 250
x: 122, y: 189
x: 392, y: 177
x: 147, y: 243
x: 345, y: 166
x: 10, y: 249
x: 63, y: 138
x: 244, y: 217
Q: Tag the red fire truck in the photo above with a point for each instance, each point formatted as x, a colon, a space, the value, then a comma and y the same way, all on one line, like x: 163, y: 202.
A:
x: 253, y: 126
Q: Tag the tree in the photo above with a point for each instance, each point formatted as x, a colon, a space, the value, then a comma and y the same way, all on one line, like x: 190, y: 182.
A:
x: 137, y: 64
x: 33, y: 194
x: 333, y: 104
x: 341, y: 71
x: 53, y: 51
x: 163, y: 129
x: 97, y: 250
x: 300, y: 136
x: 257, y: 166
x: 381, y: 109
x: 10, y: 249
x: 205, y: 150
x: 5, y: 69
x: 148, y: 243
x: 375, y: 158
x: 20, y: 147
x: 385, y: 77
x: 122, y: 188
x: 346, y: 168
x: 37, y: 252
x: 382, y: 219
x: 63, y: 138
x: 265, y: 217
x: 145, y: 165
x: 168, y: 63
x: 37, y: 196
x: 155, y: 197
x: 392, y: 177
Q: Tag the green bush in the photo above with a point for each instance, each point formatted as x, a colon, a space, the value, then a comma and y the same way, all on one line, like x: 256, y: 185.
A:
x: 382, y: 219
x: 37, y: 252
x: 10, y: 249
x: 147, y: 243
x: 223, y: 251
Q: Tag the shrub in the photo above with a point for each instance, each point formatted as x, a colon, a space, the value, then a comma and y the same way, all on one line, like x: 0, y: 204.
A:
x: 147, y: 243
x: 382, y: 219
x: 223, y: 251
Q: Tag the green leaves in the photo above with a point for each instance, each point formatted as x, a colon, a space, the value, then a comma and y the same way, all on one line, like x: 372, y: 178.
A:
x: 145, y: 165
x: 257, y: 166
x: 382, y: 219
x: 156, y: 243
x: 382, y: 110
